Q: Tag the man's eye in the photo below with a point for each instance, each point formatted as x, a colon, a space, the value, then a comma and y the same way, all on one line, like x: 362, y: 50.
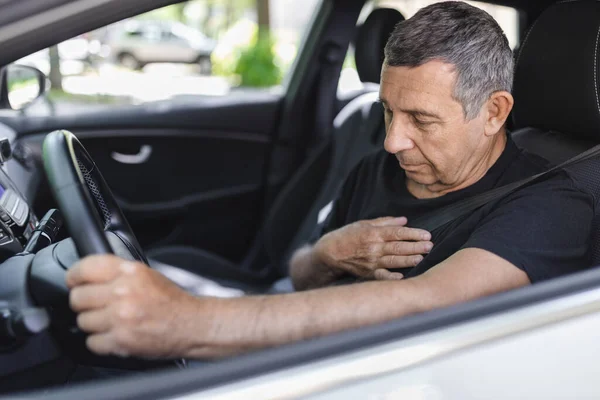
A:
x: 420, y: 123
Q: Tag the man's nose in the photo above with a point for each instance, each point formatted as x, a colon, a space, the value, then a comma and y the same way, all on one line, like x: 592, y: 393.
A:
x: 396, y: 140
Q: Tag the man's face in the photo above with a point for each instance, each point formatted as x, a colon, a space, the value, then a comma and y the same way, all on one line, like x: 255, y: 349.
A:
x: 426, y: 127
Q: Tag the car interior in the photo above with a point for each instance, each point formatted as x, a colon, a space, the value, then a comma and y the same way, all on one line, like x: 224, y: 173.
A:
x: 235, y: 184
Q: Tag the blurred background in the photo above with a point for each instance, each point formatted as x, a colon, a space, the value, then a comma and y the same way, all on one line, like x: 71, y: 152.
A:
x: 197, y: 47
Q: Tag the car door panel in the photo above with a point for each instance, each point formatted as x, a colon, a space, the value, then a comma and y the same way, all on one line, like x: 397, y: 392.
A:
x: 201, y: 178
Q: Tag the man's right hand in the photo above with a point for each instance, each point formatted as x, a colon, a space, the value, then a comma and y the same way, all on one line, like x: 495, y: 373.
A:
x: 368, y: 249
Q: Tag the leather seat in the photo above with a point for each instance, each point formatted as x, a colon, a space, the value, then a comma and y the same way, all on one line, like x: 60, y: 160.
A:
x: 294, y: 215
x: 556, y: 91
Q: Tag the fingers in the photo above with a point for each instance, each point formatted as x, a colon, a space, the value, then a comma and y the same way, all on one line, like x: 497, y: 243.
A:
x: 401, y: 248
x: 394, y: 233
x: 87, y: 297
x: 95, y: 321
x: 104, y: 344
x: 389, y: 221
x: 94, y: 269
x: 391, y: 262
x: 385, y: 275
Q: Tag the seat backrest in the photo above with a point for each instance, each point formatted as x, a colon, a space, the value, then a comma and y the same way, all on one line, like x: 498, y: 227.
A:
x: 358, y: 130
x: 557, y: 103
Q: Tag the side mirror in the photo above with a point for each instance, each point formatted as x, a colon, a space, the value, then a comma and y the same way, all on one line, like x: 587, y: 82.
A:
x: 21, y: 86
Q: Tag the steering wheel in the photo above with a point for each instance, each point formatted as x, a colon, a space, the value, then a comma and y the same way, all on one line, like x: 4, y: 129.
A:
x: 88, y: 206
x: 97, y: 226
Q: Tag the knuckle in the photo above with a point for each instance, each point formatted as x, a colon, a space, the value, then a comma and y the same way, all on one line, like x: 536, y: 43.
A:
x: 371, y: 249
x: 92, y: 343
x: 417, y: 247
x: 75, y: 298
x: 388, y: 261
x: 400, y: 232
x: 370, y: 235
x: 125, y: 311
x: 82, y: 321
x: 404, y: 262
x: 123, y: 338
x: 371, y: 260
x: 400, y: 262
x: 398, y: 248
x: 380, y: 274
x: 365, y: 251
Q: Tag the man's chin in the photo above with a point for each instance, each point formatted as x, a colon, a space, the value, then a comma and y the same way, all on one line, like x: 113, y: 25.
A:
x: 421, y: 178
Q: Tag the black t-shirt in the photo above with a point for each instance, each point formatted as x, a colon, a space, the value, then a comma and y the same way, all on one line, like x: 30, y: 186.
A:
x: 543, y: 229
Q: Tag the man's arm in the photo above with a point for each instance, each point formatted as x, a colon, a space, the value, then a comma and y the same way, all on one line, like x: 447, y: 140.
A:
x: 139, y: 313
x: 307, y: 272
x: 274, y: 320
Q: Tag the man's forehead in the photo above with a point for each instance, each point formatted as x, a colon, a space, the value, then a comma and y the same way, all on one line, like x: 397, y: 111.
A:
x: 432, y: 79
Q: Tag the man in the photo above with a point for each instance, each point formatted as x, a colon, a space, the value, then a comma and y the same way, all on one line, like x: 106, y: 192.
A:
x: 445, y: 88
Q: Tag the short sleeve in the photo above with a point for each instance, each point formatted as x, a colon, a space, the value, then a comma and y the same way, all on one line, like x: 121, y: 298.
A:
x: 543, y: 229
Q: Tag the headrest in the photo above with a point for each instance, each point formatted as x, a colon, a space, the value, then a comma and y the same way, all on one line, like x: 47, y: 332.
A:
x: 556, y: 76
x: 371, y: 39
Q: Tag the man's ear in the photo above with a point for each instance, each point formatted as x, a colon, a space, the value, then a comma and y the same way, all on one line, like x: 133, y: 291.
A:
x: 498, y: 108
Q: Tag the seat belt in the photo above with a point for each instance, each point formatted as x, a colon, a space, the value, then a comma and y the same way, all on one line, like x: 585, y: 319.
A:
x: 449, y: 213
x: 330, y: 57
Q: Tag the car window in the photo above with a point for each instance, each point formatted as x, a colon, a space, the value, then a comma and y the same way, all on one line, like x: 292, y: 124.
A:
x: 507, y: 18
x: 196, y: 47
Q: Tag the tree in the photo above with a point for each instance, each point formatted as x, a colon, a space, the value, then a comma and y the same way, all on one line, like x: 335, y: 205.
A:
x: 55, y: 72
x: 264, y: 20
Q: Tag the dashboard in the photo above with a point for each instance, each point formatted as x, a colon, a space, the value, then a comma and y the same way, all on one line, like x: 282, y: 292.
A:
x: 18, y: 181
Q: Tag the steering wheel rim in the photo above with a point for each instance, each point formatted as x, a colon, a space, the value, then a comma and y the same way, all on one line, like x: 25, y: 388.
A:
x: 88, y: 206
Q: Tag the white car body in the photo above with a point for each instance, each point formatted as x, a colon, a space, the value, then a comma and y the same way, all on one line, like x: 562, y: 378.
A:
x: 544, y: 351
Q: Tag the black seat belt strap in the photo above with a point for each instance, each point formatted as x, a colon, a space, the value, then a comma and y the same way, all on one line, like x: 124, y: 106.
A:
x: 451, y: 212
x: 331, y: 56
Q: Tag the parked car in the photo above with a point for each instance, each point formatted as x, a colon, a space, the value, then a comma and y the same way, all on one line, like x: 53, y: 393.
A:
x: 204, y: 170
x: 137, y: 43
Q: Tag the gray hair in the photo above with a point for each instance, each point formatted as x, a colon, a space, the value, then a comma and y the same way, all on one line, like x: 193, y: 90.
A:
x: 464, y: 36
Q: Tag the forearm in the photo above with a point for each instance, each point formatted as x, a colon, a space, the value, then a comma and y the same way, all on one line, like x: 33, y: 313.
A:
x: 307, y: 272
x: 255, y: 322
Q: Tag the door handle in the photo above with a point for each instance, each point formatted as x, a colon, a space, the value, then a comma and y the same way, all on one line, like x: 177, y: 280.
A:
x: 141, y: 157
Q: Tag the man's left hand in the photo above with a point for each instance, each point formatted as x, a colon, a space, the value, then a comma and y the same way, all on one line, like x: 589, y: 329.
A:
x: 130, y: 309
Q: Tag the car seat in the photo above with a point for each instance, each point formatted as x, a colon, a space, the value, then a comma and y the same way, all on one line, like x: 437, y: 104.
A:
x: 557, y: 101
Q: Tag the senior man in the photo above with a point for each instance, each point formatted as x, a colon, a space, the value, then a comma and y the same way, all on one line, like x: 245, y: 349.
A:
x: 445, y: 87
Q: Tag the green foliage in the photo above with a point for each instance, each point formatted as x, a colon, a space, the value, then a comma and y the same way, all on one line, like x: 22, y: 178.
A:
x: 60, y: 96
x: 225, y: 65
x: 256, y: 66
x: 350, y: 61
x: 21, y: 83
